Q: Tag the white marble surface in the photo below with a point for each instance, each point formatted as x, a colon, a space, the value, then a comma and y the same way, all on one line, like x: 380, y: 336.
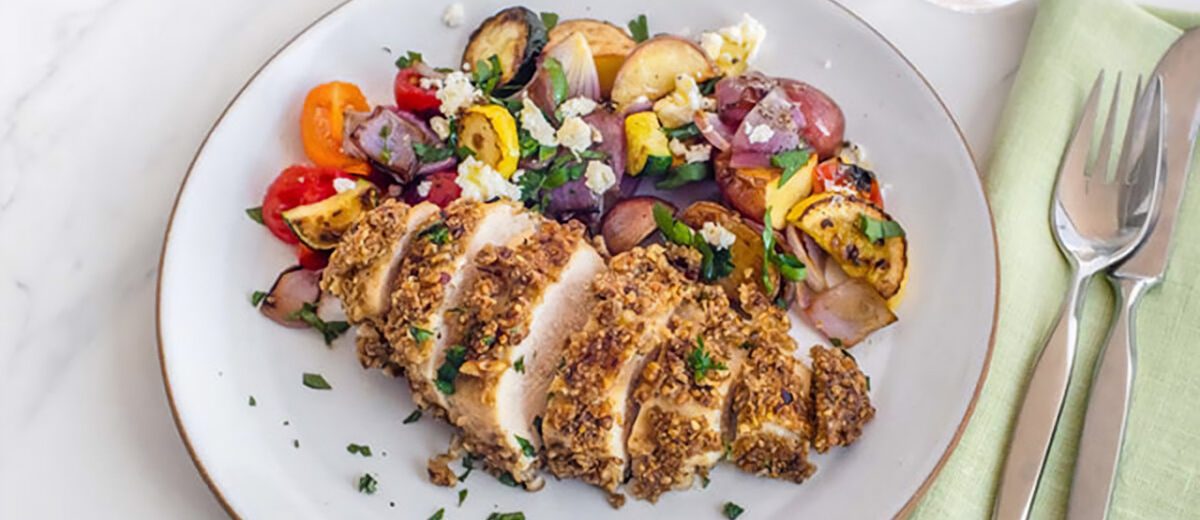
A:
x: 102, y: 105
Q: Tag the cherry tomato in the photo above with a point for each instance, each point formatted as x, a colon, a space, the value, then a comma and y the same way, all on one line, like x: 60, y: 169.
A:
x: 322, y: 125
x: 411, y: 97
x: 832, y: 175
x: 442, y: 189
x: 310, y: 258
x: 296, y: 186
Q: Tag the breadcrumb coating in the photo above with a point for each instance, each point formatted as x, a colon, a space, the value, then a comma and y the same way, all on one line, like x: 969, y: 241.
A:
x: 840, y: 396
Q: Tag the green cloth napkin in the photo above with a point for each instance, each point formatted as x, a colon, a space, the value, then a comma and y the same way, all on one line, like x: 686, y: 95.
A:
x: 1160, y: 469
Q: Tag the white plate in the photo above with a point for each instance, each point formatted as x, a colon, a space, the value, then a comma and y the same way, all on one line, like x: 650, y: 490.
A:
x: 217, y: 351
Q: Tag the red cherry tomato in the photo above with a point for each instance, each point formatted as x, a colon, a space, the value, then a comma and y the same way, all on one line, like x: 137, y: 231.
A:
x: 832, y: 175
x: 296, y: 186
x: 442, y: 189
x: 310, y: 258
x: 411, y: 97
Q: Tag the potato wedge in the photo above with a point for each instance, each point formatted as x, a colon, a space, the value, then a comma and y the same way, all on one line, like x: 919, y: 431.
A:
x: 834, y: 222
x: 752, y: 190
x: 747, y: 251
x: 610, y: 45
x: 650, y: 69
x: 630, y: 222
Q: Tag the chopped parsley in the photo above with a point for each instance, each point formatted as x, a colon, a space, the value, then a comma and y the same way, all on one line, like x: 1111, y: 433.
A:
x: 316, y: 381
x: 732, y: 510
x: 684, y: 174
x: 507, y: 479
x: 255, y: 214
x: 790, y: 161
x: 257, y: 297
x: 462, y: 496
x: 639, y: 29
x: 549, y: 20
x: 526, y: 446
x: 878, y: 230
x: 253, y: 402
x: 528, y: 145
x: 438, y: 515
x: 709, y: 86
x: 418, y: 334
x: 296, y: 443
x: 486, y: 74
x: 558, y: 80
x: 361, y: 449
x: 428, y: 154
x: 704, y: 481
x: 448, y: 372
x: 468, y: 463
x: 330, y: 330
x: 385, y: 131
x: 714, y: 263
x: 835, y: 342
x: 700, y: 362
x: 408, y: 59
x: 507, y: 516
x: 367, y: 484
x: 413, y: 417
x: 519, y: 365
x: 438, y: 233
x: 682, y: 132
x: 790, y: 267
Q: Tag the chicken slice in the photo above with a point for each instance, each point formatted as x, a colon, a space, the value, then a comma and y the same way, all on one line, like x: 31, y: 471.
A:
x: 840, y: 398
x: 362, y: 272
x: 682, y: 395
x: 525, y: 301
x: 587, y: 404
x: 435, y: 274
x: 771, y: 415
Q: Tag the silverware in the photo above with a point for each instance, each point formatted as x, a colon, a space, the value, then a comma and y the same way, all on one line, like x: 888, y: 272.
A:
x: 1108, y: 402
x: 1088, y: 226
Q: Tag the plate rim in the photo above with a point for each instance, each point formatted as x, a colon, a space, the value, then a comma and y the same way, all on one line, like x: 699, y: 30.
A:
x: 904, y: 512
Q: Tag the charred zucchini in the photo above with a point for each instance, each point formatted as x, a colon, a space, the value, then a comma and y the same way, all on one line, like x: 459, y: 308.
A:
x: 646, y: 145
x: 860, y: 237
x: 490, y: 132
x: 321, y: 224
x: 515, y: 36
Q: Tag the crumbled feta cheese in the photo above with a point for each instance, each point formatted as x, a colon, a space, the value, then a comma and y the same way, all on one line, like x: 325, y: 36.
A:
x: 577, y: 107
x: 453, y: 15
x: 852, y: 153
x: 680, y: 106
x: 534, y: 122
x: 691, y: 154
x: 440, y: 126
x: 599, y: 177
x: 759, y: 133
x: 712, y: 43
x: 516, y: 177
x: 717, y: 236
x: 423, y: 188
x: 734, y: 46
x: 341, y: 184
x: 430, y: 83
x: 456, y: 93
x: 481, y: 182
x: 575, y: 134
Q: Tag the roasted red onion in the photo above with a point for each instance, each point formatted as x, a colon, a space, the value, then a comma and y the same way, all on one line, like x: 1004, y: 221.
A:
x: 612, y: 133
x: 575, y: 56
x: 294, y: 287
x: 737, y: 95
x: 386, y: 138
x: 714, y: 130
x: 850, y: 312
x: 772, y: 127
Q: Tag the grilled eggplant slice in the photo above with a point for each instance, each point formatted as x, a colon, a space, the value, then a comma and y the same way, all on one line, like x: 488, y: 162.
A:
x: 320, y: 225
x: 515, y: 36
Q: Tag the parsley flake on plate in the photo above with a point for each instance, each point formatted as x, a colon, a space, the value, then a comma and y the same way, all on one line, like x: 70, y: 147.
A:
x: 367, y: 484
x: 413, y: 417
x: 316, y: 381
x: 732, y: 510
x: 360, y: 449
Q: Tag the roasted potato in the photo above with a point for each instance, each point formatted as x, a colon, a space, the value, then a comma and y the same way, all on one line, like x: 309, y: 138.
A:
x: 650, y: 69
x: 752, y: 190
x: 609, y: 43
x: 747, y: 251
x: 835, y: 222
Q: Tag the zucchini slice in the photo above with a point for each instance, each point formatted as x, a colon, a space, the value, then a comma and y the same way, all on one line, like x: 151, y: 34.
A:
x: 490, y: 132
x: 834, y: 221
x: 515, y: 36
x: 646, y: 145
x: 320, y: 225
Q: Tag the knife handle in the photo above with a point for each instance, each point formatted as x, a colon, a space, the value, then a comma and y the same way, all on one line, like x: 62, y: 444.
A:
x: 1107, y: 409
x: 1039, y: 412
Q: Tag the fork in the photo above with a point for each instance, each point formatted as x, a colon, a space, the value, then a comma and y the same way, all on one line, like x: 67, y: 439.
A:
x: 1092, y: 233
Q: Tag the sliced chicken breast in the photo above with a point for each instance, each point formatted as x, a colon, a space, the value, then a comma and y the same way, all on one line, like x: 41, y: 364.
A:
x: 587, y: 405
x: 525, y: 301
x: 841, y: 400
x: 682, y: 395
x: 435, y: 274
x: 771, y: 414
x: 362, y: 272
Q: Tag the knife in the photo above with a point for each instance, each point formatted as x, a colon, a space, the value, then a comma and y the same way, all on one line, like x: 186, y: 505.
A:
x: 1108, y: 402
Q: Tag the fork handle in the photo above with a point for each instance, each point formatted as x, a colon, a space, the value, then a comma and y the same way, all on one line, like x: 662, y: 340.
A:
x: 1036, y: 421
x: 1107, y: 409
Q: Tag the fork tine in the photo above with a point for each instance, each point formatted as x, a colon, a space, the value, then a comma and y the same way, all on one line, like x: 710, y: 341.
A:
x: 1099, y: 170
x: 1071, y: 170
x: 1135, y: 132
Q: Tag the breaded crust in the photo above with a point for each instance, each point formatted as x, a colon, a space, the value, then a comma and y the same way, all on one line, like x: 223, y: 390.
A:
x: 840, y: 395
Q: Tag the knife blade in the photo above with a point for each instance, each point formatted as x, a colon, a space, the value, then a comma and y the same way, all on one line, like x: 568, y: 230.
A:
x: 1180, y: 71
